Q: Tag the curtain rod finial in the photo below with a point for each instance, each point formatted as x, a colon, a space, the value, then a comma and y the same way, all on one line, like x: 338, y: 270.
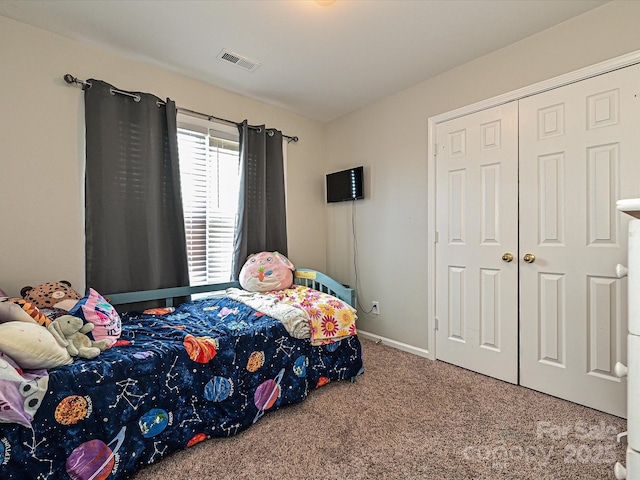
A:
x: 70, y: 79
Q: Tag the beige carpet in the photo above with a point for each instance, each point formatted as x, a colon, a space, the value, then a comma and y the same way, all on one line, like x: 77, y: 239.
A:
x: 411, y: 418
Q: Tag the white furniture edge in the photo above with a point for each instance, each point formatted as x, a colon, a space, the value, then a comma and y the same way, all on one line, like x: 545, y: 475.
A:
x: 629, y: 206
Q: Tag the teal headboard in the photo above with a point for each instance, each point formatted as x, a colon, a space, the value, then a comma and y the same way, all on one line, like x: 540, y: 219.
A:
x: 302, y: 276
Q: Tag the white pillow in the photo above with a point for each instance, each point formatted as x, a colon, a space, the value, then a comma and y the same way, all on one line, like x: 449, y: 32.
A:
x: 32, y: 346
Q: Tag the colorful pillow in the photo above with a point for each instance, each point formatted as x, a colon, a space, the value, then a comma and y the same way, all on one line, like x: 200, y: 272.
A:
x: 21, y: 393
x: 93, y: 308
x: 16, y: 309
x: 31, y: 346
x: 266, y: 271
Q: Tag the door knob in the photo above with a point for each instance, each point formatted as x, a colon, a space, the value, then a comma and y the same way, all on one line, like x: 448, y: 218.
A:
x: 621, y: 271
x: 529, y: 257
x: 507, y: 257
x: 620, y: 369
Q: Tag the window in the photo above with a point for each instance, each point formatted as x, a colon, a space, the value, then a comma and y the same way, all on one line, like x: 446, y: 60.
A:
x: 209, y: 173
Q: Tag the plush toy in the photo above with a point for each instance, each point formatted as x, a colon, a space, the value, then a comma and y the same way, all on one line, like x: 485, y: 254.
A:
x: 70, y: 332
x: 266, y: 271
x: 53, y: 294
x: 18, y: 309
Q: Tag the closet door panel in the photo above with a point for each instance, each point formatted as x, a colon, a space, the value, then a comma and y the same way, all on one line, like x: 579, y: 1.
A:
x: 578, y: 154
x: 477, y: 222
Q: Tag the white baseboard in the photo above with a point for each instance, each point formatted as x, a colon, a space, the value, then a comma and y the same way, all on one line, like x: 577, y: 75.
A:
x: 395, y: 344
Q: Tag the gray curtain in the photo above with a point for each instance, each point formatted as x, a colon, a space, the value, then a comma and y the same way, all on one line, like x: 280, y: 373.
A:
x: 134, y: 220
x: 262, y: 222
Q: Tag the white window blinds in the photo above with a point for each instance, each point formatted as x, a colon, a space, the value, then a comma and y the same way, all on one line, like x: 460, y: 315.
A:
x: 209, y: 174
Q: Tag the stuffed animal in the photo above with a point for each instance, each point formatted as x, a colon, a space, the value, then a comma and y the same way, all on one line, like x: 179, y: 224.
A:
x: 70, y: 332
x: 266, y: 271
x: 53, y: 294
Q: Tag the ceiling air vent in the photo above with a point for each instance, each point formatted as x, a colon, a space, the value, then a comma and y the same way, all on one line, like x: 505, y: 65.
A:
x: 237, y: 60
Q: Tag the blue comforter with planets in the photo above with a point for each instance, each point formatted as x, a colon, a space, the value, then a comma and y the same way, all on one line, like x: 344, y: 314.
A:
x: 211, y: 368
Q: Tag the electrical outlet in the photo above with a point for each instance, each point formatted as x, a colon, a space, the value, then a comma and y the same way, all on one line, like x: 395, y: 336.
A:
x: 375, y: 308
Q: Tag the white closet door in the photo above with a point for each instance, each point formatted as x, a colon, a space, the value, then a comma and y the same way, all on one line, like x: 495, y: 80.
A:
x: 477, y: 223
x: 579, y: 154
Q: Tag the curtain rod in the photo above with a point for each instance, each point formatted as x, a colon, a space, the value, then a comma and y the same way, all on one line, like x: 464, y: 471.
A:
x: 70, y: 79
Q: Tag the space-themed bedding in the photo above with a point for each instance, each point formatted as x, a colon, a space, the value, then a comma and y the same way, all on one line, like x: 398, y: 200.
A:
x: 211, y: 368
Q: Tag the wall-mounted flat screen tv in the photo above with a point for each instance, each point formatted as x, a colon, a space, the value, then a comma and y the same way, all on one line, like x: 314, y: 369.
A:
x: 345, y: 185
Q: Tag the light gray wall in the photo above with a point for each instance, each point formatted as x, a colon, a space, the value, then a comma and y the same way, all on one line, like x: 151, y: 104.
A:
x: 42, y: 152
x: 390, y: 139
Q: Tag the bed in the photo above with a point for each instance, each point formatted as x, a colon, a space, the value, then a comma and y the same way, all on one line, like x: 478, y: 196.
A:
x: 178, y: 375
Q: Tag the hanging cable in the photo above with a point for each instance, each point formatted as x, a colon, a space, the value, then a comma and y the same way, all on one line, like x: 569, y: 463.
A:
x: 355, y: 256
x: 70, y: 79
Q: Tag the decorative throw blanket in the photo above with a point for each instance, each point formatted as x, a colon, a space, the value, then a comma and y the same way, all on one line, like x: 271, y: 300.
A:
x: 328, y: 318
x: 294, y: 319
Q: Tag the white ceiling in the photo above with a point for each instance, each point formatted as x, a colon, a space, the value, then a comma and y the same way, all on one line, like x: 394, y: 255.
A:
x: 321, y: 62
